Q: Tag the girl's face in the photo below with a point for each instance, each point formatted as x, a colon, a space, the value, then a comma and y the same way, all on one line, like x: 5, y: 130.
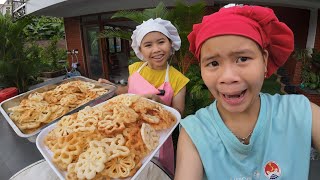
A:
x: 233, y: 69
x: 156, y: 49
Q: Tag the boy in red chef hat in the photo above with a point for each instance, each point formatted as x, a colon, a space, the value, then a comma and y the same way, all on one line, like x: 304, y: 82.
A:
x: 245, y: 134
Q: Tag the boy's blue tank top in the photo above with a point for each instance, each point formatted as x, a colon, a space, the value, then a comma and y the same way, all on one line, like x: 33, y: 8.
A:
x: 279, y: 147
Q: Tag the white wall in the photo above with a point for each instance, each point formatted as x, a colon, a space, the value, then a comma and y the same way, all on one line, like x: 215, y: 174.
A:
x: 312, y: 29
x: 3, y: 8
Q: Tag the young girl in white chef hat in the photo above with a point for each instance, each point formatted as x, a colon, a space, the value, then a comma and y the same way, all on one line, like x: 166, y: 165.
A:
x: 154, y: 42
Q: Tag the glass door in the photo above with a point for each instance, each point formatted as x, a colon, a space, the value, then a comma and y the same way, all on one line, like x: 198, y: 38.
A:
x: 94, y: 60
x: 117, y: 50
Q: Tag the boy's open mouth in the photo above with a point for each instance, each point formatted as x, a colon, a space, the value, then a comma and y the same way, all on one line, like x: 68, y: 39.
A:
x: 231, y: 96
x: 234, y: 99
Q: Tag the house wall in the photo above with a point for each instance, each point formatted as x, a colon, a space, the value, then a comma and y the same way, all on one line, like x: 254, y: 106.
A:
x: 74, y: 40
x: 5, y: 8
x: 312, y: 97
x: 317, y: 41
x: 297, y: 20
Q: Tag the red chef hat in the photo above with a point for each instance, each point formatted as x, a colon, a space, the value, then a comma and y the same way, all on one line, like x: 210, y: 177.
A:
x: 255, y: 22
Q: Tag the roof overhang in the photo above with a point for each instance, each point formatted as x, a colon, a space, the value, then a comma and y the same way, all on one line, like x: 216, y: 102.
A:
x: 72, y: 8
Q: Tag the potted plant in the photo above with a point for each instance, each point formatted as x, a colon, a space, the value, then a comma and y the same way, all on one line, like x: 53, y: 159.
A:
x: 51, y: 57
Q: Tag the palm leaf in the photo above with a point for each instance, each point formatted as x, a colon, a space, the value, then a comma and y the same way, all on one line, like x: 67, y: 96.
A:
x: 110, y: 33
x: 135, y: 16
x: 184, y: 16
x: 160, y: 11
x: 139, y: 16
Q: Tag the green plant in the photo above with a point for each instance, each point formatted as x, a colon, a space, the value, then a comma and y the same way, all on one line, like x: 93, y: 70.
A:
x: 310, y: 76
x: 301, y: 55
x: 183, y: 16
x: 44, y: 28
x: 311, y: 80
x: 315, y: 56
x: 198, y: 94
x: 271, y: 86
x: 51, y: 55
x: 19, y: 63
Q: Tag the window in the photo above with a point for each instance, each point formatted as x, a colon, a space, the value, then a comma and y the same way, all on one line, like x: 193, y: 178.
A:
x: 8, y: 10
x: 111, y: 45
x: 114, y: 43
x: 118, y: 45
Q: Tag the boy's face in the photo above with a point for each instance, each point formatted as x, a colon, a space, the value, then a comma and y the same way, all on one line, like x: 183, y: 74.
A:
x: 233, y: 69
x: 156, y: 48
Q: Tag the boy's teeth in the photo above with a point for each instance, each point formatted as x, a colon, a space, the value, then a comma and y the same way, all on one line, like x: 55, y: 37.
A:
x: 232, y: 96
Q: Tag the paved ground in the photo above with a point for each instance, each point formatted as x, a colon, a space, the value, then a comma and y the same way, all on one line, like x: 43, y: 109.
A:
x: 15, y: 152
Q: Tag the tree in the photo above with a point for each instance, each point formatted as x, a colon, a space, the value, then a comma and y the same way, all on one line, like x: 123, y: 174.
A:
x: 18, y: 61
x: 44, y: 28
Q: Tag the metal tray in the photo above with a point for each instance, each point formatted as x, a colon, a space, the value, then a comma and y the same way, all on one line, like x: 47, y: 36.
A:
x: 15, y: 101
x: 163, y: 134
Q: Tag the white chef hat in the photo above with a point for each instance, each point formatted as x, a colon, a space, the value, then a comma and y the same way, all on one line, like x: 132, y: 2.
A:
x: 151, y: 25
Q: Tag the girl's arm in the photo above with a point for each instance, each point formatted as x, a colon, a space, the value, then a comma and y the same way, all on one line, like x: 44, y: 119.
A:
x: 315, y: 126
x: 121, y: 89
x: 189, y: 165
x: 178, y: 101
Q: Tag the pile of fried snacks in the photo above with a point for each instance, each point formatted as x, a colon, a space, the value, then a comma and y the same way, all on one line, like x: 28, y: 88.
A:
x: 109, y: 140
x: 39, y: 109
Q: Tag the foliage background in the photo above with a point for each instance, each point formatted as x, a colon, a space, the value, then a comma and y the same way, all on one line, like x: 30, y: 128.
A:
x: 44, y: 28
x: 21, y: 59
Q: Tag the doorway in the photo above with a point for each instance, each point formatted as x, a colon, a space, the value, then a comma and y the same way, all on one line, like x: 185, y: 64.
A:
x: 94, y: 60
x: 117, y: 51
x: 106, y: 57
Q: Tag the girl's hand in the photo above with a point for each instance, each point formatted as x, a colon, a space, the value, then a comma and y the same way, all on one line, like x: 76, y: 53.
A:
x: 100, y: 80
x: 120, y: 88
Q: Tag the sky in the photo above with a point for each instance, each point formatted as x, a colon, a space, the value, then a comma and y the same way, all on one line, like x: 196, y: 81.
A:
x: 2, y: 1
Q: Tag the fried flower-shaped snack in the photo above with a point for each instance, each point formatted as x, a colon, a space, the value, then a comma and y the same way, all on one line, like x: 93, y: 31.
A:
x: 39, y: 109
x: 91, y: 162
x: 149, y: 136
x: 108, y: 140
